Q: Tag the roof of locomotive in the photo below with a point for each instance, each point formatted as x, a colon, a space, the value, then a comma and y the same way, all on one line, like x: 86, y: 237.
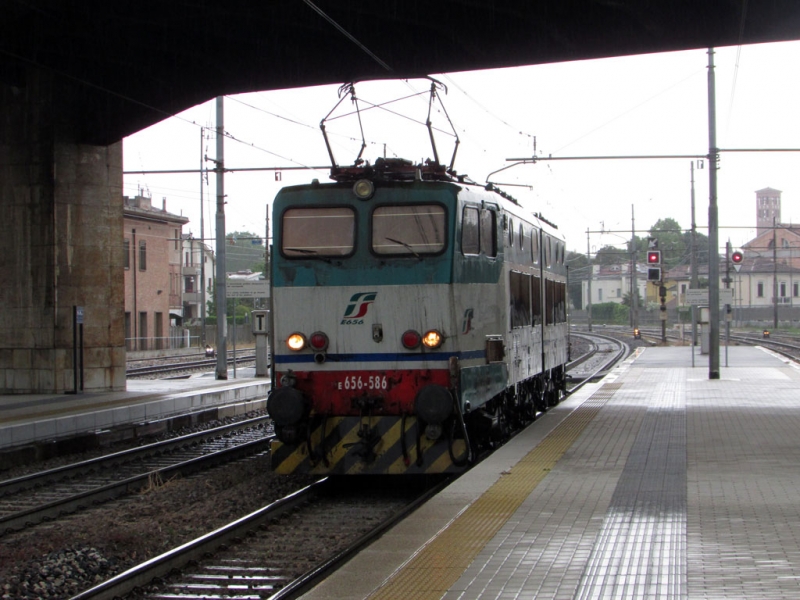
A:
x: 400, y: 170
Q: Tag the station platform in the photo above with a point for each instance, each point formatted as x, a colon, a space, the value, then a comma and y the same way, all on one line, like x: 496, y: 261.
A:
x: 30, y: 419
x: 654, y: 483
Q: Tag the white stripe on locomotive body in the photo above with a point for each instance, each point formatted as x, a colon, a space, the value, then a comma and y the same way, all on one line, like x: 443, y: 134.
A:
x: 465, y: 313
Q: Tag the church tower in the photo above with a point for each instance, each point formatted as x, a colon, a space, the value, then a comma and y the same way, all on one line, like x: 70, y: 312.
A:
x: 768, y: 207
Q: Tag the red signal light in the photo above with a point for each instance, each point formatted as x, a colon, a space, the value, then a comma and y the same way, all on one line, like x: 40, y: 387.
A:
x: 653, y: 257
x: 737, y: 258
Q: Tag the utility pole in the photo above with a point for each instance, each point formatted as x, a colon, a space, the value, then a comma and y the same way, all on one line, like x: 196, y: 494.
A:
x: 589, y: 284
x: 774, y: 273
x: 202, y: 252
x: 695, y: 280
x: 220, y: 289
x: 728, y: 253
x: 713, y: 226
x: 634, y: 286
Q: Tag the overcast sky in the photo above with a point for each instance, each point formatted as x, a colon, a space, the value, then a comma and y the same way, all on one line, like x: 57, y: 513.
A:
x: 642, y: 105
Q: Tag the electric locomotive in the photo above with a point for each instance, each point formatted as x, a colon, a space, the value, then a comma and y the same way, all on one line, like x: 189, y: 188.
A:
x: 416, y: 319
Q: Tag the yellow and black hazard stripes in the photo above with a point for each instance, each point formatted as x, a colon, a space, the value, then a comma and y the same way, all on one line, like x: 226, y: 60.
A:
x: 370, y: 446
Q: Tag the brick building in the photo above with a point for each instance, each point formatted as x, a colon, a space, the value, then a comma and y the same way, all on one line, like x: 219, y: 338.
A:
x: 152, y: 248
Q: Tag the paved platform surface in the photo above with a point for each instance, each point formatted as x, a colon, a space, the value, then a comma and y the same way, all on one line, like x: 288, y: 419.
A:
x: 36, y: 418
x: 654, y: 483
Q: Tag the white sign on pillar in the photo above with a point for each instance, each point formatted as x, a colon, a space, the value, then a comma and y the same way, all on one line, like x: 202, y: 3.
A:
x: 260, y: 320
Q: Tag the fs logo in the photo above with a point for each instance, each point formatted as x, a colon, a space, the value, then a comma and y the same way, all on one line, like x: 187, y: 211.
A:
x: 358, y: 307
x: 466, y: 325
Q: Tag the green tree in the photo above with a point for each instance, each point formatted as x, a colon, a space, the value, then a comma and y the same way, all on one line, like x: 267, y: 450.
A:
x: 626, y: 299
x: 611, y: 255
x: 702, y: 247
x: 610, y: 313
x: 243, y: 306
x: 243, y: 251
x: 671, y: 242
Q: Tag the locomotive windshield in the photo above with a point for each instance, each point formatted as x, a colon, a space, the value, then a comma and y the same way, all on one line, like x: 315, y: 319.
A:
x: 416, y: 229
x: 318, y: 231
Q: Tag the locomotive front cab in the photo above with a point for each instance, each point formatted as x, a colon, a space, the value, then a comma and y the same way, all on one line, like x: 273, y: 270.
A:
x: 363, y: 327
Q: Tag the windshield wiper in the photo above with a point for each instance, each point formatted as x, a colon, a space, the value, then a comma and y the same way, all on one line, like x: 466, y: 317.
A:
x: 407, y: 247
x: 312, y: 253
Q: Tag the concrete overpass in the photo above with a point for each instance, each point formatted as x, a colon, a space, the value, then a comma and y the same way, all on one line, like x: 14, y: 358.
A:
x: 76, y: 77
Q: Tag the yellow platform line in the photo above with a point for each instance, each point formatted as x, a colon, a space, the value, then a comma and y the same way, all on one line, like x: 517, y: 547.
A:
x: 440, y: 563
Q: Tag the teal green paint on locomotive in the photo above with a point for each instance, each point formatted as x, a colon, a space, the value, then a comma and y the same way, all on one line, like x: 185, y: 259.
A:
x: 362, y: 267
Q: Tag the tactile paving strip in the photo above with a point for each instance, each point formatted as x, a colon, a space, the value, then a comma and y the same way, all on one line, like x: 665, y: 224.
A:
x: 440, y: 563
x: 640, y: 551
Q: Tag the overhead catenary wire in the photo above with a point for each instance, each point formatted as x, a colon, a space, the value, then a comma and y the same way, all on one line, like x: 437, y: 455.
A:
x: 347, y: 34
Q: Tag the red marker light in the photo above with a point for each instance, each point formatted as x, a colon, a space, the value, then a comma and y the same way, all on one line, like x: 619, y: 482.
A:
x: 318, y: 341
x: 411, y: 339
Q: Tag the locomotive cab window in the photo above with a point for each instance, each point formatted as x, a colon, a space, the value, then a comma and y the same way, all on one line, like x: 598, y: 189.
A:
x: 548, y: 251
x: 318, y: 231
x: 409, y: 230
x: 535, y: 246
x: 520, y: 297
x: 555, y: 302
x: 488, y: 232
x: 479, y: 232
x: 536, y: 300
x: 470, y: 231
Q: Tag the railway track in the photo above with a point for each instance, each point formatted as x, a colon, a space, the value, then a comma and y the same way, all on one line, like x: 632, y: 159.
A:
x: 605, y: 352
x: 279, y: 551
x: 787, y: 345
x: 25, y: 501
x: 193, y: 365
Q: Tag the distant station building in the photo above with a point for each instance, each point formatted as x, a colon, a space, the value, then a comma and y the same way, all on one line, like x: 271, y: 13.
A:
x: 153, y: 283
x: 767, y: 282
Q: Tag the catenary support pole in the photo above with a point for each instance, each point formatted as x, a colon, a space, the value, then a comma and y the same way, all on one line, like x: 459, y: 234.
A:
x: 713, y: 226
x: 219, y: 297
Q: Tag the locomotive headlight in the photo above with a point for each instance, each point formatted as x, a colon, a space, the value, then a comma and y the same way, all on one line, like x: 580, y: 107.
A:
x: 296, y: 342
x: 363, y: 189
x: 432, y: 339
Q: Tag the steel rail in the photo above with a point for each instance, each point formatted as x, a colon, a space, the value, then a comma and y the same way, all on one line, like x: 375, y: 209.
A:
x: 75, y: 501
x: 187, y: 366
x: 622, y: 353
x: 308, y: 580
x: 43, y: 478
x: 162, y: 565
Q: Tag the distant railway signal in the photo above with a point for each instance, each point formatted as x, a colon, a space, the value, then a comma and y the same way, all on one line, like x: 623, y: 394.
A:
x: 737, y: 258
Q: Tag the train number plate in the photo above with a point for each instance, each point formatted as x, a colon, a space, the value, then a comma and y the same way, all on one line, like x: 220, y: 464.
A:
x: 364, y: 382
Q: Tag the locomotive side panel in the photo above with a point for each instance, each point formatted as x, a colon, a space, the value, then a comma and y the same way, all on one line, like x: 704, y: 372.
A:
x: 411, y: 325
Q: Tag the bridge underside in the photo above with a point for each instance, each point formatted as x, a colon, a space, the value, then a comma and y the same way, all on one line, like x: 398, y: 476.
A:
x: 131, y: 63
x: 77, y: 77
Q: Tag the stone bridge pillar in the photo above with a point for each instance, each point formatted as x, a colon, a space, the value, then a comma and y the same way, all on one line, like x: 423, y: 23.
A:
x: 60, y: 246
